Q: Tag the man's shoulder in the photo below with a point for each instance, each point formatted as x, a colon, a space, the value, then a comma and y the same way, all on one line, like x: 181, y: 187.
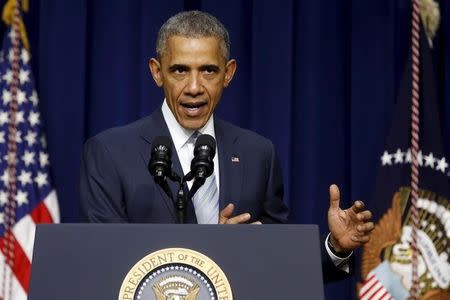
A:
x: 121, y: 134
x: 244, y: 136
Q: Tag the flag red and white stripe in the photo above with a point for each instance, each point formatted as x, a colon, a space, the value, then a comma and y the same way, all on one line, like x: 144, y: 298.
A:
x: 373, y: 289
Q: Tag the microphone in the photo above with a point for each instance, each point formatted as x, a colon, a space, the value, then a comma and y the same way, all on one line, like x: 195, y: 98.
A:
x: 202, y: 166
x: 160, y: 164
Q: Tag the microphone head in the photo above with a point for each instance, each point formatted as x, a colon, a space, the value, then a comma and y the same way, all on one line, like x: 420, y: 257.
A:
x: 162, y: 143
x: 160, y: 164
x: 202, y: 165
x: 208, y: 141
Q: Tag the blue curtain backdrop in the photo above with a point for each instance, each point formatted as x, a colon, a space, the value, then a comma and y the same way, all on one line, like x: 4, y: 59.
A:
x: 318, y: 77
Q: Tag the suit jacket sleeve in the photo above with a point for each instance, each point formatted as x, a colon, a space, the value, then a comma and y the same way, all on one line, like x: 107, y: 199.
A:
x: 329, y: 271
x: 100, y: 186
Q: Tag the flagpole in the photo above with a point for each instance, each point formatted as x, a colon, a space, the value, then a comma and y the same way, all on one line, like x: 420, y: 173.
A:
x: 415, y: 130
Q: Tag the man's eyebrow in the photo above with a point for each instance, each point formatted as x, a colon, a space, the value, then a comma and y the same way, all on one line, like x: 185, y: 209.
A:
x: 178, y: 67
x: 210, y: 67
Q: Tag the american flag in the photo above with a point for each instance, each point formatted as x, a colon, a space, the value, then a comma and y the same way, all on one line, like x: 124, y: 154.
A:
x: 27, y: 196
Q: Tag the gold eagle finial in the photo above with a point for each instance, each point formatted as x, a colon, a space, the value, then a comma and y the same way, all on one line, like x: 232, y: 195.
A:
x: 431, y: 17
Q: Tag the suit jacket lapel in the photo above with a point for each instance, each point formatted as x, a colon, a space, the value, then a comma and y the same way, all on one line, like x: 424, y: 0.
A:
x: 230, y: 165
x: 156, y: 126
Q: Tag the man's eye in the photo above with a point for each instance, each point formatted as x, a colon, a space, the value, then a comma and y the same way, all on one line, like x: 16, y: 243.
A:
x: 210, y: 70
x: 179, y: 71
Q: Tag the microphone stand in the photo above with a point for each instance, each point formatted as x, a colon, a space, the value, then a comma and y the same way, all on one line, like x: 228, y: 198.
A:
x: 183, y: 195
x: 180, y: 201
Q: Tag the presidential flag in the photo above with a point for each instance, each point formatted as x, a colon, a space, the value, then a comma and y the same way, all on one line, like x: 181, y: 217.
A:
x: 386, y: 265
x: 27, y: 196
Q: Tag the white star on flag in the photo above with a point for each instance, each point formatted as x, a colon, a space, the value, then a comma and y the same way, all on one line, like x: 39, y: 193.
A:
x: 25, y: 177
x: 19, y: 117
x: 43, y: 159
x: 441, y: 165
x: 21, y: 198
x: 33, y: 118
x: 386, y: 159
x: 41, y: 179
x: 8, y: 76
x: 398, y: 156
x: 3, y: 198
x: 6, y: 97
x: 34, y: 98
x: 31, y: 138
x: 21, y: 97
x: 4, y: 118
x: 5, y: 177
x: 24, y: 76
x: 28, y: 158
x: 25, y: 56
x: 429, y: 160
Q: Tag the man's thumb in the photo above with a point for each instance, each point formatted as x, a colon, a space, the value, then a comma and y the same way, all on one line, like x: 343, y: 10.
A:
x: 227, y: 212
x: 335, y: 196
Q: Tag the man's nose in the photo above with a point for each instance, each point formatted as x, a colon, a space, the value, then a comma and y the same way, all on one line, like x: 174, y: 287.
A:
x: 194, y: 86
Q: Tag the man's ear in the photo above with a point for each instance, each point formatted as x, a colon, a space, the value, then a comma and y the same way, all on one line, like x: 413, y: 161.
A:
x: 155, y: 68
x: 230, y: 68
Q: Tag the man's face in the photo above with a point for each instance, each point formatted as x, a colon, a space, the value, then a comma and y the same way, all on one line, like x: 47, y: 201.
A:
x: 193, y: 73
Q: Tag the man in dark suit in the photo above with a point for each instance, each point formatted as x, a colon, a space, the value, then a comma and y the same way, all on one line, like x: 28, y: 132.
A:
x: 193, y: 68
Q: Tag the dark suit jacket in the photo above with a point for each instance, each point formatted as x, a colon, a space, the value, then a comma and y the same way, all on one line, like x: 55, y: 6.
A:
x: 117, y: 187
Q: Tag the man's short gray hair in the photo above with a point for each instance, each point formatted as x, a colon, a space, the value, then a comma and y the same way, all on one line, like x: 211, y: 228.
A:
x: 193, y: 24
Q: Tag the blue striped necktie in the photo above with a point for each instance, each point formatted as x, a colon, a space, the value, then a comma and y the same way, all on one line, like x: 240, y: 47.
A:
x: 206, y: 199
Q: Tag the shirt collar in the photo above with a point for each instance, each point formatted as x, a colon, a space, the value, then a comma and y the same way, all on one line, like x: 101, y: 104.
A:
x: 179, y: 134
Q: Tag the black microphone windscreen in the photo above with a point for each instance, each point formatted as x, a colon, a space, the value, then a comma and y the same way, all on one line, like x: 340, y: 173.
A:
x: 206, y: 140
x: 162, y: 141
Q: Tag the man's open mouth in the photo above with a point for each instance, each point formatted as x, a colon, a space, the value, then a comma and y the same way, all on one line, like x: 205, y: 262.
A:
x: 193, y: 105
x: 194, y: 109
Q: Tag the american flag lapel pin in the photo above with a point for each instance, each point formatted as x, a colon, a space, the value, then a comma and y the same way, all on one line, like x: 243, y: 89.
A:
x: 234, y: 159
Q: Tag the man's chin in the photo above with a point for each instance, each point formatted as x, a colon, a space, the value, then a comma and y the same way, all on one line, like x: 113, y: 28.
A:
x: 192, y: 124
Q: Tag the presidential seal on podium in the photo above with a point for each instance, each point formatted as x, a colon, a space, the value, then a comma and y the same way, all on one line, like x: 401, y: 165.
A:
x: 175, y: 274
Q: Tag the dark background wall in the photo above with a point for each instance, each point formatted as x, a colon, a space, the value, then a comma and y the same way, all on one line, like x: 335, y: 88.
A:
x: 319, y: 78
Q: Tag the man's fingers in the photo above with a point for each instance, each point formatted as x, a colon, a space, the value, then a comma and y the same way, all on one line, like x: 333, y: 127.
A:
x: 335, y: 196
x: 365, y: 228
x: 226, y: 213
x: 242, y: 218
x: 257, y: 223
x: 225, y: 216
x: 364, y: 216
x: 358, y: 206
x: 360, y: 238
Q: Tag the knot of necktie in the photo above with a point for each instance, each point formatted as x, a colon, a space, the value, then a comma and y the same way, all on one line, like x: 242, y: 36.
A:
x: 194, y: 136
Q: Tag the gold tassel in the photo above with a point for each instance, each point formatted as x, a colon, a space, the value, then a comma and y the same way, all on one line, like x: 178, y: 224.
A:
x: 7, y: 16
